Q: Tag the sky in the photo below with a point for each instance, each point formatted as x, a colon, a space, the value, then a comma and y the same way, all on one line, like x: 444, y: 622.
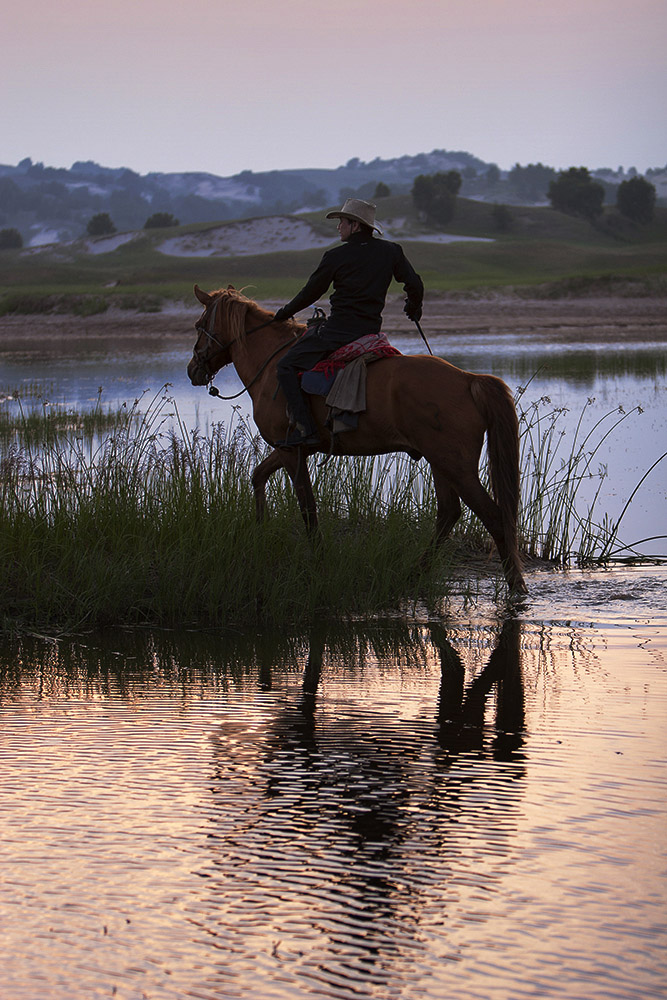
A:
x: 227, y: 85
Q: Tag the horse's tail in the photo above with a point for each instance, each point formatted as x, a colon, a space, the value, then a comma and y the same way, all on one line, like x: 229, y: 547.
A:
x: 494, y: 401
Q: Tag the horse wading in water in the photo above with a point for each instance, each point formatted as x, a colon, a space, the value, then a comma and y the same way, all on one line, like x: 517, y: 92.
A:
x: 417, y: 404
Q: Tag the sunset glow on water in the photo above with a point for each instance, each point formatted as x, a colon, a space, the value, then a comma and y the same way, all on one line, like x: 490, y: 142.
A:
x: 480, y: 807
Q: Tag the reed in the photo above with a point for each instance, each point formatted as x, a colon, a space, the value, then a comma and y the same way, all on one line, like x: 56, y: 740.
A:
x: 150, y: 522
x: 562, y: 479
x: 131, y: 517
x: 43, y: 421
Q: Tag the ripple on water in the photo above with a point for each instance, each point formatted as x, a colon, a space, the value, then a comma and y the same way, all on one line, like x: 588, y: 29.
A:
x: 482, y: 818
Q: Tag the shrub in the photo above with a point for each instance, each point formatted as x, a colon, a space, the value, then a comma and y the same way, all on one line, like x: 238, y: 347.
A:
x: 100, y: 225
x: 160, y: 220
x: 635, y: 199
x: 10, y: 239
x: 502, y: 218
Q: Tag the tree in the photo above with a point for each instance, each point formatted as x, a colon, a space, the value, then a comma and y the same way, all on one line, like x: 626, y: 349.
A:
x: 502, y: 218
x: 635, y: 198
x: 381, y: 190
x: 531, y: 182
x: 492, y: 175
x: 11, y: 196
x: 10, y: 239
x: 435, y: 194
x: 576, y: 193
x: 160, y: 220
x: 100, y: 225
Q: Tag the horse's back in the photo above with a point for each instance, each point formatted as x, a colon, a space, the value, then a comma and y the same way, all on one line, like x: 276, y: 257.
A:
x: 417, y: 380
x: 420, y: 403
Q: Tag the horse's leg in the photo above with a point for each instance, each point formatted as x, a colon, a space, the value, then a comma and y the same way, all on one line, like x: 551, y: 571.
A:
x: 296, y: 464
x: 260, y: 477
x: 475, y: 496
x: 449, y: 507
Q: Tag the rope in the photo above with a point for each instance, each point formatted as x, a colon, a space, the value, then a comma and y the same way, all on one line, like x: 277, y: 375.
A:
x: 213, y: 391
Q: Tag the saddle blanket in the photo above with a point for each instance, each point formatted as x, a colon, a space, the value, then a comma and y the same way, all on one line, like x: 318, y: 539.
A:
x: 375, y: 344
x: 341, y: 377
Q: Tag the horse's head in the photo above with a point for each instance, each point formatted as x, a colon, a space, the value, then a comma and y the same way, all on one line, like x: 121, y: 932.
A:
x: 219, y: 326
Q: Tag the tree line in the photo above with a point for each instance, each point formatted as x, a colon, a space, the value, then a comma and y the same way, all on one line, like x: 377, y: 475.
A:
x: 571, y: 191
x: 100, y: 224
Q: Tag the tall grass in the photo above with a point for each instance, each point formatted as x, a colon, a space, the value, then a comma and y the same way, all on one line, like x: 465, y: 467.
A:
x: 152, y: 522
x: 138, y: 519
x: 562, y: 481
x: 43, y: 422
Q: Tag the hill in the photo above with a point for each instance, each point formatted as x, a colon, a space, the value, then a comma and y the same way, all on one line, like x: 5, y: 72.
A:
x: 49, y: 204
x: 537, y: 249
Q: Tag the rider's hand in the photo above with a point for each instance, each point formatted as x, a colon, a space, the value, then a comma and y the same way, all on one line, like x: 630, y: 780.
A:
x: 412, y: 311
x: 282, y: 315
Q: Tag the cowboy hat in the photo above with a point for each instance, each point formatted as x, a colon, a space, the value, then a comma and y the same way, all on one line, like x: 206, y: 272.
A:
x: 360, y: 211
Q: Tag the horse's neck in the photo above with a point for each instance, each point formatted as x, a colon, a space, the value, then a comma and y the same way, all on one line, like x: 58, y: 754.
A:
x: 256, y: 349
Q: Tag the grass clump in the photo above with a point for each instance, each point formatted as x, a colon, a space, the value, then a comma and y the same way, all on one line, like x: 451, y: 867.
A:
x: 129, y: 518
x: 29, y: 419
x: 562, y: 481
x: 29, y: 303
x: 148, y: 522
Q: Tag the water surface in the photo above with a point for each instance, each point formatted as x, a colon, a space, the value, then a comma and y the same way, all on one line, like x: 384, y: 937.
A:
x: 574, y: 377
x: 471, y: 807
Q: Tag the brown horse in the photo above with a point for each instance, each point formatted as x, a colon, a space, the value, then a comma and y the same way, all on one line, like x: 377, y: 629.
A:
x: 416, y: 404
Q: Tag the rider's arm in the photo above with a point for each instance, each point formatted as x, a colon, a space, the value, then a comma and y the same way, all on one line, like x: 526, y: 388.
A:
x: 313, y: 290
x: 412, y: 283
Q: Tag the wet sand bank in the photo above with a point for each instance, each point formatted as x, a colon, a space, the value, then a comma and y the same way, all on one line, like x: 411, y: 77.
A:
x: 607, y: 320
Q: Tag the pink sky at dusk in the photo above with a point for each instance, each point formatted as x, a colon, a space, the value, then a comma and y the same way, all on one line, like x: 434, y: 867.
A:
x: 159, y: 85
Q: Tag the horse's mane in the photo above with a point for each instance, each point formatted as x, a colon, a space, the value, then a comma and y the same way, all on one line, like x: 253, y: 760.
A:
x: 234, y: 304
x: 236, y: 295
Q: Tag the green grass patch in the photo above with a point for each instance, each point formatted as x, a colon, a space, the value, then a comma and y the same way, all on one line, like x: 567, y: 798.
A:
x: 144, y: 524
x: 130, y: 518
x: 541, y: 246
x: 28, y: 419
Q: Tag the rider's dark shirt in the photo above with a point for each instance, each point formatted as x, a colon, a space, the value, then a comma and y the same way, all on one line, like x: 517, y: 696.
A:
x: 360, y: 270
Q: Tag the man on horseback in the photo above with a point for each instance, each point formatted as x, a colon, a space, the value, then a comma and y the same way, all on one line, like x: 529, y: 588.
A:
x: 361, y: 271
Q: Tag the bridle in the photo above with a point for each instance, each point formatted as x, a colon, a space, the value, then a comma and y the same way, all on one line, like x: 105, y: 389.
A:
x: 206, y: 330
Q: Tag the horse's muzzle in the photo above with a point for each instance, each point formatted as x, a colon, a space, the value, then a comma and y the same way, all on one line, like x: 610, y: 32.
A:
x: 198, y: 373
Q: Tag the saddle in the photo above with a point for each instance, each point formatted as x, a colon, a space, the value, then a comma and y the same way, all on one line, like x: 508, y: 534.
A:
x: 341, y: 377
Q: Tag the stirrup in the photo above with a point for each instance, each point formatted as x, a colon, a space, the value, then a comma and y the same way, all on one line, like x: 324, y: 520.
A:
x: 299, y: 439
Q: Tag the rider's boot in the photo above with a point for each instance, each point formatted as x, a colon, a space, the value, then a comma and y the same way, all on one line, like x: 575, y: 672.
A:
x: 302, y: 431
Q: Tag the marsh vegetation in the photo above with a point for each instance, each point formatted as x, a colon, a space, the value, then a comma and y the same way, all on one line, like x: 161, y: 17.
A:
x: 128, y: 516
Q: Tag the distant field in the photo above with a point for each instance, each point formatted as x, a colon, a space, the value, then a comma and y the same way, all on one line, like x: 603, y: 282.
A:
x: 541, y: 247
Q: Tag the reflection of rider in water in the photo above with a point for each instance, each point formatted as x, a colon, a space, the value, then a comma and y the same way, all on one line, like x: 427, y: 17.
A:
x: 361, y: 271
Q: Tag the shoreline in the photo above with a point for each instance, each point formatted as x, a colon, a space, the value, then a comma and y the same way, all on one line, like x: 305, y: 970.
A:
x: 603, y: 319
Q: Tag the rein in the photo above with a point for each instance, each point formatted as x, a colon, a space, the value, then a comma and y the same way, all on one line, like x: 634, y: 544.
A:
x: 212, y: 390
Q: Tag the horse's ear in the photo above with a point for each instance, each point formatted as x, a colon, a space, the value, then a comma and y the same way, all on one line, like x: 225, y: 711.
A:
x: 203, y: 297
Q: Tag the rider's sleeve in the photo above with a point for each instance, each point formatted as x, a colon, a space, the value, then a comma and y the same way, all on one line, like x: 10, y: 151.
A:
x: 412, y: 283
x: 314, y: 289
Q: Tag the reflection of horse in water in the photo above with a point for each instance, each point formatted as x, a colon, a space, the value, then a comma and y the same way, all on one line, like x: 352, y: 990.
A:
x: 461, y: 713
x: 416, y: 404
x: 354, y: 820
